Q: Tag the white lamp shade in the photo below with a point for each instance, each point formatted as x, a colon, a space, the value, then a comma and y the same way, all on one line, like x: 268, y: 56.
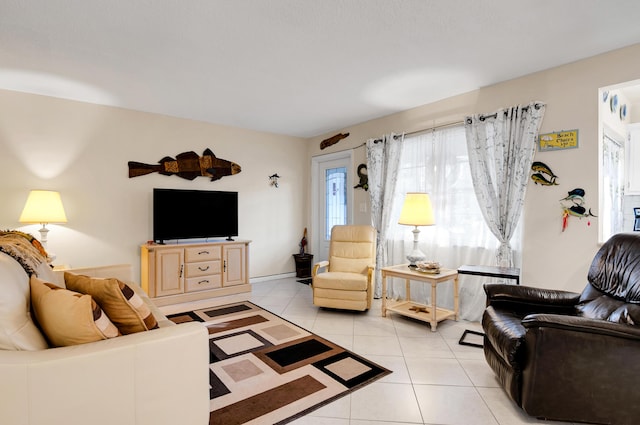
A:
x: 417, y: 210
x: 43, y: 206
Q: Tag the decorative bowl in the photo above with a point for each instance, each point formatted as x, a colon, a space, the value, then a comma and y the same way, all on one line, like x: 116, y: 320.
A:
x: 432, y: 267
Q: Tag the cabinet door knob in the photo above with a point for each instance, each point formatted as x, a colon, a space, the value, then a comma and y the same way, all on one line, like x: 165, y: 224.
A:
x: 203, y: 269
x: 203, y: 281
x: 203, y: 252
x: 224, y: 266
x: 181, y: 269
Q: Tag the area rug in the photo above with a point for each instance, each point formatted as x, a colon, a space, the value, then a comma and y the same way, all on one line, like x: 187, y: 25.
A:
x: 266, y: 370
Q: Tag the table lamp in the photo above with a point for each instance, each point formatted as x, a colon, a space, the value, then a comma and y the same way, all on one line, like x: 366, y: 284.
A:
x: 416, y: 211
x: 44, y: 207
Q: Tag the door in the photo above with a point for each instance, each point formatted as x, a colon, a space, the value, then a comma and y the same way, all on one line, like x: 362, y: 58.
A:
x: 169, y: 271
x: 234, y: 266
x: 331, y: 198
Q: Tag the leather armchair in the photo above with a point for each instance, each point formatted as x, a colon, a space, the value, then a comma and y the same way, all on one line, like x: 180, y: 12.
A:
x: 568, y: 356
x: 345, y: 280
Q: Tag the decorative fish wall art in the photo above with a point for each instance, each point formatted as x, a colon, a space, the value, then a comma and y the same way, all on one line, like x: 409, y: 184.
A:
x: 363, y: 176
x: 332, y: 140
x: 187, y: 165
x: 273, y: 178
x: 543, y: 174
x: 573, y: 205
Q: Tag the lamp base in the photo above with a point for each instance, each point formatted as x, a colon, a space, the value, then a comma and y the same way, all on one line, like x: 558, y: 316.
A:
x: 43, y: 235
x: 43, y: 241
x: 415, y: 257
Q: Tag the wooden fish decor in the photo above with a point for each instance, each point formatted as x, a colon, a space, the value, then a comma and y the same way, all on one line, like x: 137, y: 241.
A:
x: 332, y: 140
x: 187, y: 165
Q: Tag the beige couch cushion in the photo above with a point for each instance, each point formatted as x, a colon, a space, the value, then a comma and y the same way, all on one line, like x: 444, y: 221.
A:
x: 350, y: 265
x: 17, y: 330
x: 124, y: 307
x: 341, y: 281
x: 67, y: 317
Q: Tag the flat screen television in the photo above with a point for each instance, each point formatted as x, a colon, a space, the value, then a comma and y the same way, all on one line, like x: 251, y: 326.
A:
x: 194, y: 214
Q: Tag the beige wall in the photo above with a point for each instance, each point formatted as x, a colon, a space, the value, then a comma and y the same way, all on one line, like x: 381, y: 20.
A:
x: 551, y: 258
x: 82, y: 151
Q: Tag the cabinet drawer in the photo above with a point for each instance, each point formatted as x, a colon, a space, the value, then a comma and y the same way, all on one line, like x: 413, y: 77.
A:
x: 201, y: 283
x: 202, y: 253
x: 202, y: 269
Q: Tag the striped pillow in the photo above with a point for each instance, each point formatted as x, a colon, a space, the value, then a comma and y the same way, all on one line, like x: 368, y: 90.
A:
x: 67, y: 317
x: 126, y: 309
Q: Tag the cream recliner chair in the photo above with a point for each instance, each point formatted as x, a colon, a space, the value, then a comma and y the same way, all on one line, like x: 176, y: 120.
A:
x: 347, y: 282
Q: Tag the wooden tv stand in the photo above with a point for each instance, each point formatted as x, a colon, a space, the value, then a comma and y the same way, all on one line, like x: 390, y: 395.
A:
x: 177, y: 273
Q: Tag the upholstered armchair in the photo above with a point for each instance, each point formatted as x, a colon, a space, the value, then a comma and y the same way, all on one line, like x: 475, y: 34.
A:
x: 568, y: 356
x: 344, y: 282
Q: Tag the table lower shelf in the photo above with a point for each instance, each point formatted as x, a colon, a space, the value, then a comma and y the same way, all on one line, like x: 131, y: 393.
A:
x: 420, y: 312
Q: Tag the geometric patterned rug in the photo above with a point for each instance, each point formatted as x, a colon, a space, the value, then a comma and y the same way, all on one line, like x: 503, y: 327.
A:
x: 266, y: 370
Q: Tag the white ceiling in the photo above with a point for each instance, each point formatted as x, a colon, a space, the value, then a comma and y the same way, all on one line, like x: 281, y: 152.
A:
x: 296, y: 67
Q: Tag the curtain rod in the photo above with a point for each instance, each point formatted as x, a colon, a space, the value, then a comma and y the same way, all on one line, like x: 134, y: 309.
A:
x: 451, y: 124
x: 423, y: 130
x: 484, y: 117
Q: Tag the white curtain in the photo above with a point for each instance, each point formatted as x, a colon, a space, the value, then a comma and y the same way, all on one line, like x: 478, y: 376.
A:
x: 437, y: 163
x: 501, y: 149
x: 383, y: 158
x: 612, y: 187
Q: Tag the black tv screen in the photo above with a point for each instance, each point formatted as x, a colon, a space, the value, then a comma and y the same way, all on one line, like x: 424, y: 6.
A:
x: 194, y: 214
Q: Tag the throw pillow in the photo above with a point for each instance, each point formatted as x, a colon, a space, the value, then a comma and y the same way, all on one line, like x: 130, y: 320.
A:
x: 17, y: 330
x: 124, y: 307
x: 67, y: 317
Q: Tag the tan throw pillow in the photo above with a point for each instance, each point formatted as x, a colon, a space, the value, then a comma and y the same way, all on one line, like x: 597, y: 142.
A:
x: 67, y: 317
x: 124, y: 307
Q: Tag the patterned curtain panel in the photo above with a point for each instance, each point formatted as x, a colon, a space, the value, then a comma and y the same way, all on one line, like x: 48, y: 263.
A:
x: 383, y: 159
x: 501, y: 149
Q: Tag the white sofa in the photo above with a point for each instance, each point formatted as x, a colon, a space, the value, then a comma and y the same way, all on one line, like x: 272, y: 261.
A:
x: 155, y: 377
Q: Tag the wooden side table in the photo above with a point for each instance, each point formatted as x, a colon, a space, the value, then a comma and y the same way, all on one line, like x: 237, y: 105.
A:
x: 432, y: 313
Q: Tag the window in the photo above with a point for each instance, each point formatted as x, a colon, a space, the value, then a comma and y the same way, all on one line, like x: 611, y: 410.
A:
x: 437, y: 163
x: 335, y: 198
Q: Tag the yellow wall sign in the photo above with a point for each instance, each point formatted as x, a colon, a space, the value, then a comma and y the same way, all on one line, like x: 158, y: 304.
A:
x: 558, y: 140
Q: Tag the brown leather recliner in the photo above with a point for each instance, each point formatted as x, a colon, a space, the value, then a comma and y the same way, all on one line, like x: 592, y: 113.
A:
x: 568, y: 356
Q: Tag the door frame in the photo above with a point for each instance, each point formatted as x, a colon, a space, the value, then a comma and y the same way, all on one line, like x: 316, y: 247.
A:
x: 315, y: 193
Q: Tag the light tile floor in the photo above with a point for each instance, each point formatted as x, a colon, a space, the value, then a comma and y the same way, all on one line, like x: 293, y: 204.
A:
x: 434, y: 381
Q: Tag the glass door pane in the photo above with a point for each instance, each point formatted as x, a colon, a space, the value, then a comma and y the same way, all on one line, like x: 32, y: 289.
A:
x: 335, y: 198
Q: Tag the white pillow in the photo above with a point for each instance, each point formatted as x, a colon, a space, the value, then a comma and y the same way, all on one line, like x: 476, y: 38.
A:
x: 17, y: 330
